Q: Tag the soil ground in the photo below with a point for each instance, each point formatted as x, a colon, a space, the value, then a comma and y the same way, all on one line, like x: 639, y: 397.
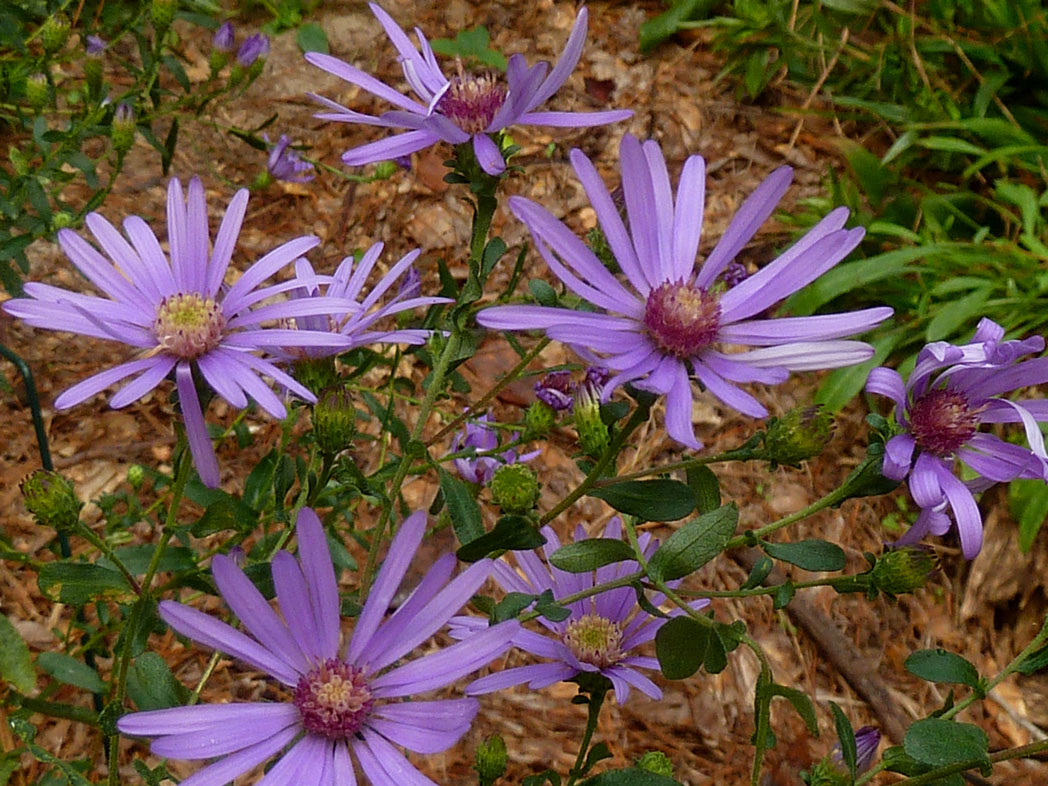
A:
x: 986, y: 610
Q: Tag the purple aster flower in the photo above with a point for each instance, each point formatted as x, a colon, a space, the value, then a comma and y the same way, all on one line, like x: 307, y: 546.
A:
x: 668, y: 322
x: 483, y: 439
x: 224, y: 38
x: 285, y: 164
x: 601, y: 634
x: 356, y: 321
x: 177, y: 314
x: 952, y: 390
x: 556, y: 390
x: 339, y: 703
x: 463, y: 108
x: 96, y: 46
x: 254, y: 47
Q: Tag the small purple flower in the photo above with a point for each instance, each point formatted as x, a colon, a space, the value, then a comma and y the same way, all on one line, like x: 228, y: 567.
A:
x: 463, y: 108
x: 124, y: 113
x: 224, y: 38
x: 356, y: 322
x: 254, y: 47
x: 285, y: 164
x: 867, y: 740
x: 556, y: 390
x: 952, y: 390
x: 339, y: 703
x: 175, y: 311
x: 598, y: 637
x: 96, y: 46
x: 483, y: 439
x: 667, y: 324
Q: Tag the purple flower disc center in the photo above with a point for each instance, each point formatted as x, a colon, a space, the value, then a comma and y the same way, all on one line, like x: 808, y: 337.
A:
x: 189, y: 325
x: 595, y: 640
x: 471, y: 101
x: 334, y: 700
x: 942, y: 420
x: 682, y: 319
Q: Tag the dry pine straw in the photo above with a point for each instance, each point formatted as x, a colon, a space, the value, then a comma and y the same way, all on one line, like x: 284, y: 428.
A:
x: 984, y: 611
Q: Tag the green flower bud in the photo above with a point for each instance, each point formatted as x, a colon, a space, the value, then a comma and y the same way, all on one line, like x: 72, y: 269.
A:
x: 122, y: 132
x: 334, y: 421
x: 657, y: 762
x: 37, y: 91
x: 51, y: 499
x: 136, y: 473
x: 514, y: 488
x: 55, y: 32
x: 384, y: 170
x: 62, y: 219
x: 903, y: 570
x: 163, y: 13
x: 490, y: 760
x: 317, y: 374
x: 539, y: 419
x: 825, y: 773
x: 592, y: 430
x: 802, y: 433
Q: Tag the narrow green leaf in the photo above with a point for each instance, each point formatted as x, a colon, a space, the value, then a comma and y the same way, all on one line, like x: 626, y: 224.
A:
x: 584, y: 556
x: 813, y: 554
x: 15, y: 664
x: 1028, y: 502
x: 511, y: 533
x: 71, y: 671
x: 800, y: 701
x: 463, y: 509
x: 79, y: 582
x: 706, y: 488
x: 846, y: 737
x: 152, y: 686
x: 694, y: 544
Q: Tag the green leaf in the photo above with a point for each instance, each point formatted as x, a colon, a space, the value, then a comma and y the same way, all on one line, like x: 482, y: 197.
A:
x: 815, y: 555
x: 512, y: 605
x: 846, y: 737
x: 1038, y: 660
x: 761, y: 568
x: 225, y: 513
x: 15, y: 665
x: 955, y: 314
x: 471, y: 44
x: 650, y: 500
x: 634, y: 776
x: 843, y: 384
x: 654, y: 31
x: 79, y: 582
x: 312, y: 38
x: 71, y: 671
x: 938, y: 665
x: 801, y: 703
x: 511, y: 533
x: 543, y: 293
x: 939, y: 742
x: 137, y: 558
x: 463, y: 509
x: 683, y: 645
x: 583, y: 556
x: 1028, y: 502
x: 694, y: 544
x: 152, y: 686
x: 706, y: 488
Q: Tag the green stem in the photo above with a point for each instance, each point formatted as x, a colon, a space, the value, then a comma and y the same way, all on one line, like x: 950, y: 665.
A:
x: 482, y: 215
x: 640, y: 415
x: 88, y: 534
x: 933, y: 776
x: 596, y: 701
x: 831, y: 581
x: 623, y: 581
x: 834, y: 497
x: 34, y: 406
x: 738, y: 454
x: 212, y: 662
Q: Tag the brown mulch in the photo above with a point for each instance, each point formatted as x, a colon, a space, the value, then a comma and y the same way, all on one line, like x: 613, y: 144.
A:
x: 987, y: 610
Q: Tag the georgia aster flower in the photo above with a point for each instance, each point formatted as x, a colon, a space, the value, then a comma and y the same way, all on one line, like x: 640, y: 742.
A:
x: 337, y: 704
x: 460, y: 109
x: 952, y: 390
x: 177, y: 314
x: 668, y: 321
x: 356, y: 321
x: 254, y: 47
x: 484, y: 439
x: 224, y: 38
x: 599, y: 637
x: 285, y: 163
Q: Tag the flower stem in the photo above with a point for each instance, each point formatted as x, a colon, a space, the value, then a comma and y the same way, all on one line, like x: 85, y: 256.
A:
x: 596, y: 701
x: 737, y: 454
x: 640, y: 415
x: 834, y: 497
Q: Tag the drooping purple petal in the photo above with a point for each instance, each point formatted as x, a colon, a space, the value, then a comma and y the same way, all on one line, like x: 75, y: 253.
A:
x: 204, y: 458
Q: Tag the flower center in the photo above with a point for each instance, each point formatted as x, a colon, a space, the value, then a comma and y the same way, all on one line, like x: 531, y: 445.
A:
x: 334, y: 700
x: 595, y: 640
x: 188, y: 325
x: 942, y: 420
x: 471, y: 100
x: 682, y: 319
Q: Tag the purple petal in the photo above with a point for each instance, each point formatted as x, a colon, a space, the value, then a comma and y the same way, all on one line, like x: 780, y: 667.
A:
x: 566, y: 63
x: 438, y: 713
x: 200, y: 445
x: 898, y: 455
x: 225, y: 241
x: 146, y: 381
x: 302, y: 765
x: 574, y: 119
x: 357, y: 77
x: 176, y: 236
x: 294, y: 601
x: 488, y: 155
x: 636, y: 679
x: 198, y: 717
x: 644, y: 220
x: 121, y: 252
x: 401, y: 551
x: 771, y: 332
x: 687, y: 218
x: 419, y: 739
x: 678, y: 410
x: 269, y: 264
x: 225, y: 770
x: 216, y: 375
x: 808, y: 355
x: 965, y: 511
x: 923, y: 483
x: 210, y: 632
x: 736, y: 399
x: 383, y: 764
x: 319, y: 572
x: 154, y: 261
x: 538, y: 676
x: 390, y: 148
x: 84, y: 390
x: 887, y: 382
x: 222, y: 739
x: 248, y: 379
x: 100, y: 271
x: 197, y: 236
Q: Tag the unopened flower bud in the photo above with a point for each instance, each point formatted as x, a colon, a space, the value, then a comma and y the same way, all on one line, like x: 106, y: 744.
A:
x: 163, y: 13
x: 317, y: 374
x: 592, y: 430
x: 802, y: 433
x: 903, y: 570
x: 37, y: 91
x: 514, y: 488
x: 55, y: 32
x: 62, y: 219
x: 490, y: 760
x: 251, y: 58
x: 136, y: 473
x: 51, y: 499
x: 224, y: 38
x: 238, y: 555
x: 334, y: 421
x: 657, y: 762
x: 384, y: 170
x: 735, y: 273
x: 122, y: 132
x: 539, y: 419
